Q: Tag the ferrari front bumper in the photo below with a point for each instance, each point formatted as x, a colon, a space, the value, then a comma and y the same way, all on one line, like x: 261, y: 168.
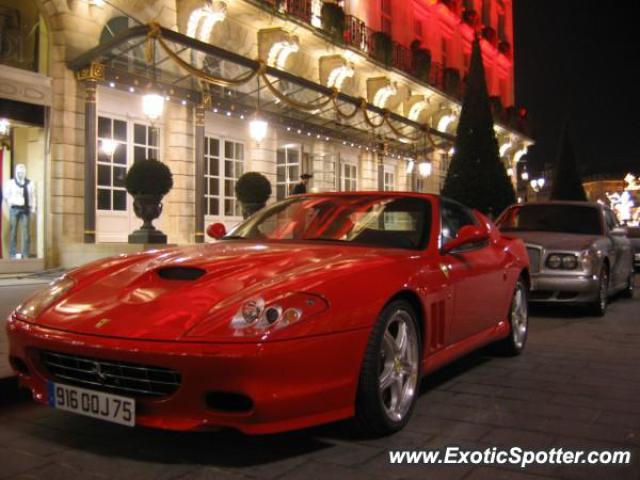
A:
x: 291, y: 383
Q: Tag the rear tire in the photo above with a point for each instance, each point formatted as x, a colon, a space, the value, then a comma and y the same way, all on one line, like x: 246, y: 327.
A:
x: 388, y: 385
x: 514, y: 343
x: 599, y: 307
x: 628, y: 291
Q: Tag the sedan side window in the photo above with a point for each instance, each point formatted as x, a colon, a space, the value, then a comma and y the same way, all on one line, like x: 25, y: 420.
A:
x: 611, y: 220
x: 453, y: 217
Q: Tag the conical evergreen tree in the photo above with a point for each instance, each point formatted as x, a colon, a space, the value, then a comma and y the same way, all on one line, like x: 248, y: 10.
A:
x: 566, y: 183
x: 477, y: 177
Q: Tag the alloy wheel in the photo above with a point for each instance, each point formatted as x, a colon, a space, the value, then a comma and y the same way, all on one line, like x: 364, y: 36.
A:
x: 398, y: 372
x: 519, y: 315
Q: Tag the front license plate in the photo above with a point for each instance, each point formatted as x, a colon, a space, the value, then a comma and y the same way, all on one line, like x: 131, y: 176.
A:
x: 105, y: 406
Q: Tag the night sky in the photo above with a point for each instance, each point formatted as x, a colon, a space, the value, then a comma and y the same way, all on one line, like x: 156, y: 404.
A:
x: 578, y: 61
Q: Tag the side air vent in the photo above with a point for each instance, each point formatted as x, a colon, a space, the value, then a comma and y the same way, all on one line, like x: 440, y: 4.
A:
x: 181, y: 273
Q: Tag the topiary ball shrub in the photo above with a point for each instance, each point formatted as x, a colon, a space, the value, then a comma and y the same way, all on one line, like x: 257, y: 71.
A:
x: 253, y: 188
x: 149, y: 177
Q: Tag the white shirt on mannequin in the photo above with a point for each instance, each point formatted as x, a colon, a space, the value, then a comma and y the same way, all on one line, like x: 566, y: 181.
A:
x: 14, y: 194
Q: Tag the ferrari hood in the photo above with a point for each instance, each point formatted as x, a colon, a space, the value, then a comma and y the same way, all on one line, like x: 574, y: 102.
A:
x: 556, y: 241
x: 163, y: 296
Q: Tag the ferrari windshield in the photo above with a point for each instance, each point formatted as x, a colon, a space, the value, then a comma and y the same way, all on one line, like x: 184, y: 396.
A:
x: 563, y: 218
x: 376, y: 220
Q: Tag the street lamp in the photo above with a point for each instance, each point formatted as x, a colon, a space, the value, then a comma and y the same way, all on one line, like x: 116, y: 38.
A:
x: 537, y: 184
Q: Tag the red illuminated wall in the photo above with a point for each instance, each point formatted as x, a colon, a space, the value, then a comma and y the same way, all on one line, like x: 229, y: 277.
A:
x: 440, y: 27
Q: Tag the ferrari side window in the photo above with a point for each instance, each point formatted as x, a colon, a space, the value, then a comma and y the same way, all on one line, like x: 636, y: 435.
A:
x: 453, y: 217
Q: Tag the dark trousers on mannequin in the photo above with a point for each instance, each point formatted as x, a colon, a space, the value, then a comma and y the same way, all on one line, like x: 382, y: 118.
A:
x: 19, y: 215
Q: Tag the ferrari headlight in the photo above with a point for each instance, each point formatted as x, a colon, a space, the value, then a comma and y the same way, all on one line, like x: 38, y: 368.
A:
x: 39, y: 302
x: 281, y: 312
x: 249, y: 313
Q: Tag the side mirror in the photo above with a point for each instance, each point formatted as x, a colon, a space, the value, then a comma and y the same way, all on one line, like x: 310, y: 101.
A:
x: 466, y: 235
x: 216, y: 230
x: 619, y: 232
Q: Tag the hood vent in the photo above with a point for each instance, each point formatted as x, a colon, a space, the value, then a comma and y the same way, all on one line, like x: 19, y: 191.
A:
x: 181, y: 273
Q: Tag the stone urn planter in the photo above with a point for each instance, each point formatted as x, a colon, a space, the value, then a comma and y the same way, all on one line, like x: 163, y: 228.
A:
x: 252, y: 190
x: 148, y: 181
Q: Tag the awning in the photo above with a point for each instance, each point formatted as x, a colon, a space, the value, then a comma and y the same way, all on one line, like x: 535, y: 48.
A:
x: 184, y: 68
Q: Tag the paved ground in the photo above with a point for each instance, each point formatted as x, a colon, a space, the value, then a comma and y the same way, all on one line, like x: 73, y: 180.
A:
x: 576, y: 386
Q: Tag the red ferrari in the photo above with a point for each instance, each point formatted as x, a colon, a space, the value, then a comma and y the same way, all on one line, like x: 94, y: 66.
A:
x: 318, y: 308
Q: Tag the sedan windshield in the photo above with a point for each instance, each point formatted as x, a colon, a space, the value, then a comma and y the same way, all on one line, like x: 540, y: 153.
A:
x: 376, y: 220
x: 562, y: 218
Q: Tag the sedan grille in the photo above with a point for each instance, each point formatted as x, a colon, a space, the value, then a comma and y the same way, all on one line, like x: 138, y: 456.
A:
x: 111, y: 376
x: 534, y: 258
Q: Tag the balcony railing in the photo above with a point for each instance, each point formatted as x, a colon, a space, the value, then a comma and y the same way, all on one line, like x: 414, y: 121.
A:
x: 359, y: 36
x: 301, y: 9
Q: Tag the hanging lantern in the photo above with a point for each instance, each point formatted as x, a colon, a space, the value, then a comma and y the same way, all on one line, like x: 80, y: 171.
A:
x: 153, y: 105
x: 424, y: 168
x: 258, y: 129
x: 108, y: 146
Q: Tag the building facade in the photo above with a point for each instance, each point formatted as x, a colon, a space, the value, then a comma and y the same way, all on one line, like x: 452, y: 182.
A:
x: 365, y: 95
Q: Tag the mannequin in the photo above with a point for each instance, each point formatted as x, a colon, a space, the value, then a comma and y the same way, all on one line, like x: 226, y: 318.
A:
x: 20, y: 195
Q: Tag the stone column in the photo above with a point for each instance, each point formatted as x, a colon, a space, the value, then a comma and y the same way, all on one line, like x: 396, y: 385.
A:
x: 89, y: 77
x: 199, y: 170
x: 380, y: 172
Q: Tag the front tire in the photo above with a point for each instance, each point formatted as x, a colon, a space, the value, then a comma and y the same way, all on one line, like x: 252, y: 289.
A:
x: 514, y: 343
x: 388, y: 385
x: 599, y: 307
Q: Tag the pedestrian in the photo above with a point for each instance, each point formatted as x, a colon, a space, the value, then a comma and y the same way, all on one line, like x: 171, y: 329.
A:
x: 301, y: 187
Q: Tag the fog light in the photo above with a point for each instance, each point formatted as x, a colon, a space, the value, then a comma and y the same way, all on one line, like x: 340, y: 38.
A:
x: 19, y: 365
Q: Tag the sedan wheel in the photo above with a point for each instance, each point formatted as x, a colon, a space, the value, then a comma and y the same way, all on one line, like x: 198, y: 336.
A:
x: 628, y: 291
x: 518, y: 321
x: 599, y: 307
x: 391, y: 368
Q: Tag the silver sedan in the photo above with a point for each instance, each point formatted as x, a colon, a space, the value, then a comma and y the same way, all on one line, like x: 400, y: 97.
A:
x: 578, y: 251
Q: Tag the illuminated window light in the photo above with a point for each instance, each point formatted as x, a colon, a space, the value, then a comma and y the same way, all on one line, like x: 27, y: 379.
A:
x: 505, y: 146
x: 339, y: 74
x: 518, y: 155
x: 445, y: 121
x: 202, y: 20
x: 280, y: 51
x: 383, y: 95
x: 416, y: 109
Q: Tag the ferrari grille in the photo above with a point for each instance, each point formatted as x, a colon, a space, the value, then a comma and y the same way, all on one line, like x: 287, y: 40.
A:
x: 534, y: 258
x: 111, y: 376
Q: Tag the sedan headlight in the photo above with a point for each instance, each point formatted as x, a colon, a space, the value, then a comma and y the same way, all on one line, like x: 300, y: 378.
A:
x: 562, y: 261
x: 37, y: 303
x: 286, y: 310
